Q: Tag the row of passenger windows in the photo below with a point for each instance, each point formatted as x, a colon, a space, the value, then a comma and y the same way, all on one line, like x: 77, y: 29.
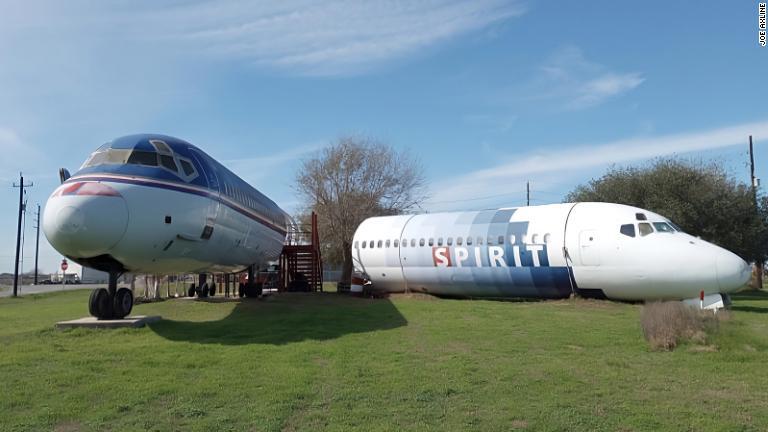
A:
x: 460, y: 241
x: 645, y: 228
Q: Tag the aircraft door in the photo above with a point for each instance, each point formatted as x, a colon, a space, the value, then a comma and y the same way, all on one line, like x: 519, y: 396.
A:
x: 209, y: 172
x: 589, y: 252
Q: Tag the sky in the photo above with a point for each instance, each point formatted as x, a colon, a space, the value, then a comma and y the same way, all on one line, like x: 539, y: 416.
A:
x: 486, y: 94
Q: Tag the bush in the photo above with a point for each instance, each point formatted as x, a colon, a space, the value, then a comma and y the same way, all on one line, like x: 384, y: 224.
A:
x: 667, y: 324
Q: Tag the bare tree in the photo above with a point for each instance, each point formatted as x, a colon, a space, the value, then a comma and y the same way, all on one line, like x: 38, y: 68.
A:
x: 352, y: 179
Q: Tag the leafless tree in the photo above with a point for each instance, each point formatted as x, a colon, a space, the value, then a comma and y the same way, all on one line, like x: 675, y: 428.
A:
x: 352, y: 179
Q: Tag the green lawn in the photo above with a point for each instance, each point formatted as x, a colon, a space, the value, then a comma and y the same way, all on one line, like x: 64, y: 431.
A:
x: 329, y: 362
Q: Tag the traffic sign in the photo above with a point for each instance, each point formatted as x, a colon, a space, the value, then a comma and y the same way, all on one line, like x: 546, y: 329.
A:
x: 64, y: 265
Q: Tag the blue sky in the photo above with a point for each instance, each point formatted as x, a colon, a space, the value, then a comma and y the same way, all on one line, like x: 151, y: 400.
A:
x: 486, y: 93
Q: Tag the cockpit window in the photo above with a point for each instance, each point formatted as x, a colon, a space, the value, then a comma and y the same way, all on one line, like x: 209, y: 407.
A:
x: 645, y: 228
x: 161, y: 146
x: 187, y: 167
x: 168, y: 163
x: 139, y: 157
x: 628, y: 230
x: 663, y: 227
x: 640, y: 216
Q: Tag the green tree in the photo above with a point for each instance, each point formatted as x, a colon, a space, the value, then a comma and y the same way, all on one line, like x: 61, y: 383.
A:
x: 699, y: 197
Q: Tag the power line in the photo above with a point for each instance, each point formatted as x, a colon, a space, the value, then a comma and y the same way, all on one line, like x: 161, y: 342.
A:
x: 21, y: 187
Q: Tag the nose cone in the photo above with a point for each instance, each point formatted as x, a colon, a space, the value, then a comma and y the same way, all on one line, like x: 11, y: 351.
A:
x: 84, y: 226
x: 732, y: 271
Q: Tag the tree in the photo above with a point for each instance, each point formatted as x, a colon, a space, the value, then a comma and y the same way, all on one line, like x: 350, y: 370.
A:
x: 701, y: 198
x: 352, y: 179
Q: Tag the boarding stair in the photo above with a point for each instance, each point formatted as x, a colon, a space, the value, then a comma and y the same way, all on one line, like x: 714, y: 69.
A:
x: 301, y: 266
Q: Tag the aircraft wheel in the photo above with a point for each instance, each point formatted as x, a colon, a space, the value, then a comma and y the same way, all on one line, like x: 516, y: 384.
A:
x: 191, y: 290
x: 204, y: 290
x: 101, y: 304
x: 123, y: 303
x: 212, y: 289
x: 241, y: 290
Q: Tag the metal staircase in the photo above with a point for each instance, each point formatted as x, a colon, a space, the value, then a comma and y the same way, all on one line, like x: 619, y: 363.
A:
x: 301, y: 266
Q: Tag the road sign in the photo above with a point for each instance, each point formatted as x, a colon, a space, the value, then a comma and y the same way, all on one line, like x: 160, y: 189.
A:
x: 64, y: 265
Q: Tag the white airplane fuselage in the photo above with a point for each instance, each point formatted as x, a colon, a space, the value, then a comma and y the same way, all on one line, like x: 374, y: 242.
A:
x: 157, y: 204
x: 550, y: 251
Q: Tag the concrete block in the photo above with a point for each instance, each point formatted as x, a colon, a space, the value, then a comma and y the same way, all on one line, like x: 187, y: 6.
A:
x: 92, y: 322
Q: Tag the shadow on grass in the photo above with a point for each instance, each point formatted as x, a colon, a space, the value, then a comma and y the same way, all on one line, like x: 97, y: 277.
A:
x: 286, y: 318
x: 751, y: 296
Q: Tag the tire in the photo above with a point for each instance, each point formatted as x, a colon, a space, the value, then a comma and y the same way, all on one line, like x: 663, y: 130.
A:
x: 212, y: 289
x: 204, y: 290
x: 191, y: 290
x: 122, y: 303
x: 102, y: 304
x: 253, y: 290
x: 241, y: 290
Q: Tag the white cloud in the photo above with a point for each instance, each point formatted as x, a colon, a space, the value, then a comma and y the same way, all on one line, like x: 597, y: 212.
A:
x: 572, y: 82
x: 449, y: 194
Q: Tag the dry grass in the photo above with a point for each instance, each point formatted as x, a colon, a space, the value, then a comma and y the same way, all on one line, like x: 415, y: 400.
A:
x: 667, y: 324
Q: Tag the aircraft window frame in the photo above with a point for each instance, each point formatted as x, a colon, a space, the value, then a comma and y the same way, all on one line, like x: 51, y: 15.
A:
x: 640, y: 229
x: 625, y: 229
x: 163, y: 158
x: 431, y: 242
x: 161, y: 146
x: 449, y: 241
x: 668, y: 228
x: 501, y: 240
x: 675, y: 226
x: 194, y: 174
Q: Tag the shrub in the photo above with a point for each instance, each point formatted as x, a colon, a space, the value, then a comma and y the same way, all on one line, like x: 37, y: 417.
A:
x: 667, y: 324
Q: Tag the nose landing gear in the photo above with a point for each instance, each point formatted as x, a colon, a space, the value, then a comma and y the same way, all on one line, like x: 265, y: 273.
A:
x: 111, y: 303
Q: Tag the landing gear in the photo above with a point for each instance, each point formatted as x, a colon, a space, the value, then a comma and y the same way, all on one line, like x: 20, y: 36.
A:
x: 111, y: 303
x: 212, y: 289
x: 191, y: 290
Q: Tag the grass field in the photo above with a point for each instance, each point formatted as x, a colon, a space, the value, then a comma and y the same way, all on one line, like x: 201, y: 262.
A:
x: 329, y: 362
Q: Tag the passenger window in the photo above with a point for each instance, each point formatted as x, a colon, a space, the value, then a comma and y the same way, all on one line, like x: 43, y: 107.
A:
x: 421, y: 242
x: 378, y: 245
x: 512, y: 239
x: 370, y: 244
x: 501, y: 240
x: 458, y: 241
x: 439, y: 241
x: 490, y: 241
x: 404, y: 243
x: 396, y: 243
x: 431, y: 242
x: 628, y: 230
x: 469, y: 241
x: 355, y: 245
x: 547, y: 238
x: 479, y: 241
x: 413, y: 242
x: 364, y: 245
x: 450, y: 241
x: 645, y: 228
x: 143, y: 158
x: 663, y: 227
x: 168, y: 162
x: 386, y: 244
x: 535, y: 239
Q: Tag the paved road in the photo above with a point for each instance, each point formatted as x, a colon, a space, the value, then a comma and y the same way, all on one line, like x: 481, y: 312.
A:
x: 36, y: 289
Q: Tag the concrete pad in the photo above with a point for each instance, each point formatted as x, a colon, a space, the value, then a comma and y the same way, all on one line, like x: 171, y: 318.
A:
x: 92, y: 322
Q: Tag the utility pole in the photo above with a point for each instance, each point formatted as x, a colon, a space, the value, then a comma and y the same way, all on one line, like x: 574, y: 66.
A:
x: 21, y: 187
x: 527, y: 193
x: 37, y: 241
x: 758, y: 264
